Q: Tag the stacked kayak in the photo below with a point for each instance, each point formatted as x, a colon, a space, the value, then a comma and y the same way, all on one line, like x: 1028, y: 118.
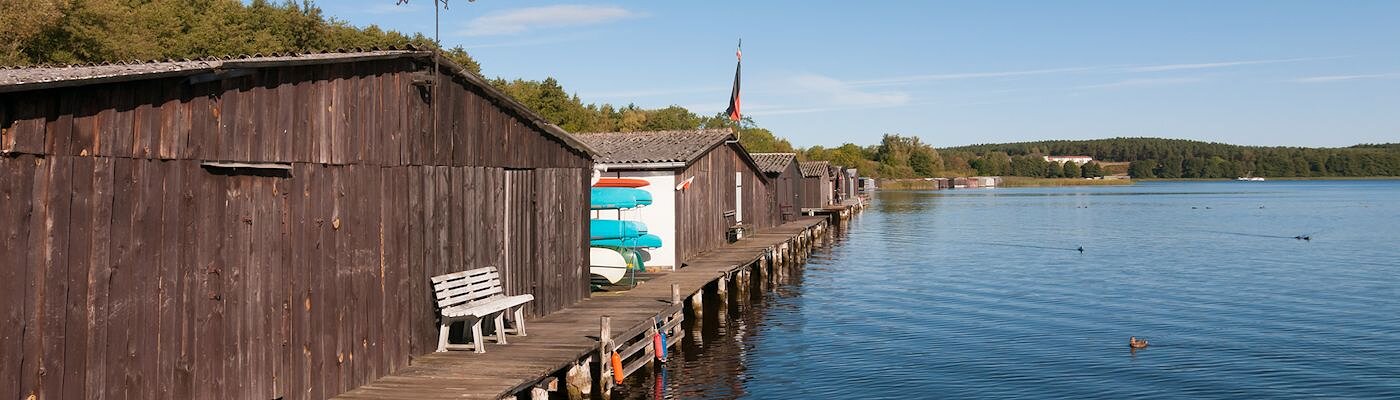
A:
x: 615, y: 243
x: 608, y: 198
x: 602, y: 229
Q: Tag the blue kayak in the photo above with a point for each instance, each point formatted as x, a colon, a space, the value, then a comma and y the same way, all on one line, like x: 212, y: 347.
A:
x: 608, y: 198
x: 643, y: 241
x: 615, y: 229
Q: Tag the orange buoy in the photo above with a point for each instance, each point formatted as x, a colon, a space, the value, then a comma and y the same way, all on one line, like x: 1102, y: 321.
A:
x: 659, y: 346
x: 617, y: 368
x: 621, y: 182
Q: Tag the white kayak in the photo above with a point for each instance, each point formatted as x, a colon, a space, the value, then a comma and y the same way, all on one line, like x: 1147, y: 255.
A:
x: 607, y: 263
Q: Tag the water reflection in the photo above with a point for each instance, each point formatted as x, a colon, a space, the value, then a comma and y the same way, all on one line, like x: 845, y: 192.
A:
x: 712, y: 360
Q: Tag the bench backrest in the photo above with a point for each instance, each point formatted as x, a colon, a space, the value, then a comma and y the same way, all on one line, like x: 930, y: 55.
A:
x: 466, y: 286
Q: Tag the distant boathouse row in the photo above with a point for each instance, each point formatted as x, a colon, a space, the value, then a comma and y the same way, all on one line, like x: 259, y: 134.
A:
x: 266, y: 226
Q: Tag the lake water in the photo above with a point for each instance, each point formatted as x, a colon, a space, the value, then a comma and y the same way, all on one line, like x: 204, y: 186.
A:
x: 982, y: 293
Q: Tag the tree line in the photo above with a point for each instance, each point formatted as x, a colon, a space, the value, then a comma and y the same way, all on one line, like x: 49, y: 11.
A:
x: 1178, y: 158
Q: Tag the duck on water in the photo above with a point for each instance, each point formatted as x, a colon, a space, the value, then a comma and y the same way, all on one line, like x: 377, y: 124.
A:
x: 1135, y: 343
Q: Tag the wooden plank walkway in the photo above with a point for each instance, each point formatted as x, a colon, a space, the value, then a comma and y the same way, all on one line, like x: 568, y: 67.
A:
x: 562, y: 338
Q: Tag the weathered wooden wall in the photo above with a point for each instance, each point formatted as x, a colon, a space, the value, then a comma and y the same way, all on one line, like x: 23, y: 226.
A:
x: 701, y: 223
x: 816, y: 191
x: 128, y: 270
x: 786, y: 192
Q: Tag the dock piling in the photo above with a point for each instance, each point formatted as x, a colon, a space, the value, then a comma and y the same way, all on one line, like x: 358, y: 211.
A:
x: 605, y: 345
x: 578, y: 381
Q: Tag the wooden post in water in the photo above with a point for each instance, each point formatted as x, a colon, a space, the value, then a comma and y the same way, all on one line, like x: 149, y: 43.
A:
x: 741, y: 285
x: 579, y: 381
x: 762, y: 270
x: 542, y: 388
x: 676, y: 299
x: 605, y: 345
x: 722, y: 294
x: 697, y: 310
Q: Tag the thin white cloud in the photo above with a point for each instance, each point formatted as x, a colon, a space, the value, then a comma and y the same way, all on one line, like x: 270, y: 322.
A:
x: 1342, y: 78
x: 910, y: 79
x: 1224, y: 64
x: 526, y: 43
x: 631, y: 94
x: 525, y: 19
x: 1146, y: 82
x: 966, y: 75
x: 841, y: 93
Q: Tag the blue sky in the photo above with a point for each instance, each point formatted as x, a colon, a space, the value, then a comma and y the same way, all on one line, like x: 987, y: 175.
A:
x: 1294, y: 73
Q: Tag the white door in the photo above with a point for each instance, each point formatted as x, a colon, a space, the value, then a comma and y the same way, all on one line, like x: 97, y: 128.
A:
x: 738, y: 197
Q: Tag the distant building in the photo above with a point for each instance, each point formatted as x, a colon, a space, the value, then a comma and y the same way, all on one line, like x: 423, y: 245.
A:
x: 985, y: 181
x: 1080, y: 160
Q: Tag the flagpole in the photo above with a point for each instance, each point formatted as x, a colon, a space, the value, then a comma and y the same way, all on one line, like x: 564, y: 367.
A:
x: 738, y: 122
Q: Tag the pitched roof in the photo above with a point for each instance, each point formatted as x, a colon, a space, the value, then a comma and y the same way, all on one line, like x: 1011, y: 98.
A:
x: 50, y: 76
x: 654, y: 146
x: 45, y: 77
x: 773, y: 163
x: 814, y: 168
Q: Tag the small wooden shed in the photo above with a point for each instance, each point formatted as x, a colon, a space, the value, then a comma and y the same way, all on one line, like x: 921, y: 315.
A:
x: 818, y: 188
x: 264, y: 227
x: 703, y: 185
x: 784, y: 182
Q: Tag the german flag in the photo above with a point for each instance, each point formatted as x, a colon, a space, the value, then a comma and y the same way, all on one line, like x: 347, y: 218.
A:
x: 733, y: 110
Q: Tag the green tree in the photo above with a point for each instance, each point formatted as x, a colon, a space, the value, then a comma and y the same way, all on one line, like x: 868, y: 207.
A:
x: 1071, y: 170
x: 1054, y: 170
x: 1142, y: 168
x: 1092, y: 169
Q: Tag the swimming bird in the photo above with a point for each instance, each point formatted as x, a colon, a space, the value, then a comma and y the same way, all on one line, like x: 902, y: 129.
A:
x: 1136, y: 343
x: 1081, y: 249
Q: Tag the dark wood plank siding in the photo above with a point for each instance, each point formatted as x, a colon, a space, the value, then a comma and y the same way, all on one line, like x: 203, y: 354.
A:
x: 132, y: 271
x: 701, y: 221
x: 786, y: 189
x: 816, y: 191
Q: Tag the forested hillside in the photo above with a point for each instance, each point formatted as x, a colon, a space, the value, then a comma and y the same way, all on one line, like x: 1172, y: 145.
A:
x: 1176, y: 158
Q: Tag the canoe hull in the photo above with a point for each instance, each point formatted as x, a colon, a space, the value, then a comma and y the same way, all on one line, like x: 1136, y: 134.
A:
x: 621, y: 183
x: 607, y: 263
x: 646, y: 241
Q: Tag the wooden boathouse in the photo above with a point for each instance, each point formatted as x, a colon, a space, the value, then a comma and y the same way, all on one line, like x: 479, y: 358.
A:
x: 705, y: 187
x: 817, y: 188
x: 784, y: 182
x: 264, y: 227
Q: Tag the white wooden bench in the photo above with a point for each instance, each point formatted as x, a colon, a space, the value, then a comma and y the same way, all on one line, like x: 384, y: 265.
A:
x: 472, y: 296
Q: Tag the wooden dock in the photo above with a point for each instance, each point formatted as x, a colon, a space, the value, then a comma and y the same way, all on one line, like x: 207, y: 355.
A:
x: 838, y: 212
x: 559, y: 341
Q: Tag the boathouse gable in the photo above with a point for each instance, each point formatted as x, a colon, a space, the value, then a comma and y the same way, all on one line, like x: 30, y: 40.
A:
x: 817, y: 189
x: 711, y: 182
x: 784, y: 183
x: 265, y: 227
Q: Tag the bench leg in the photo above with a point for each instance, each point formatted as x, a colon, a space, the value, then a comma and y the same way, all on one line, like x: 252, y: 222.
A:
x: 443, y: 329
x: 501, y: 327
x: 520, y: 321
x: 477, y: 343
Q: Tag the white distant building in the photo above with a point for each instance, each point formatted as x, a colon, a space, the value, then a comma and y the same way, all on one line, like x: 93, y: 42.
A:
x: 1080, y: 160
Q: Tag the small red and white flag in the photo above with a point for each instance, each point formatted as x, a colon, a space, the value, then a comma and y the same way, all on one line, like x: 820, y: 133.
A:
x: 685, y: 184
